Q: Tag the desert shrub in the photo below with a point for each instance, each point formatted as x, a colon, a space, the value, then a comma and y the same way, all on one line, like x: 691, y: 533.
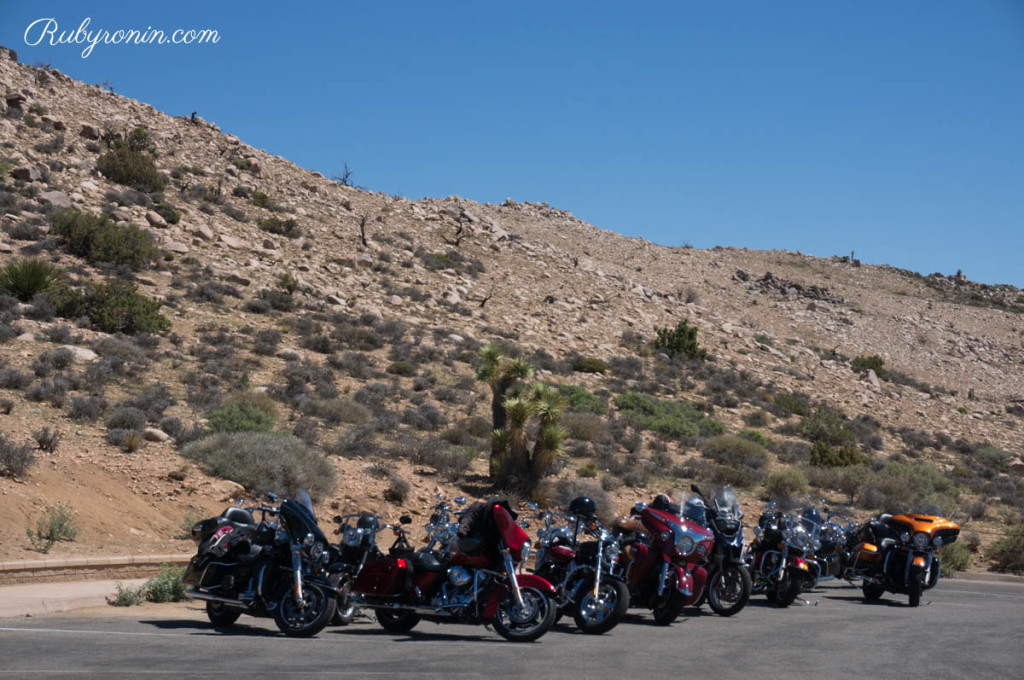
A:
x: 726, y: 475
x: 756, y: 419
x: 212, y: 291
x: 424, y: 417
x: 556, y: 495
x: 754, y: 436
x: 735, y: 452
x: 56, y: 523
x: 266, y: 341
x: 583, y: 364
x: 56, y: 360
x: 264, y: 462
x: 1007, y: 553
x: 993, y: 457
x: 53, y: 391
x: 356, y: 364
x: 851, y: 479
x: 451, y: 462
x: 6, y: 406
x: 681, y: 340
x: 863, y: 364
x: 243, y: 412
x: 126, y: 418
x: 825, y: 455
x: 335, y: 411
x: 584, y: 426
x: 792, y: 403
x: 899, y: 487
x: 274, y: 225
x: 828, y: 426
x: 168, y: 212
x: 47, y: 439
x: 171, y: 425
x: 398, y: 489
x: 13, y: 379
x: 358, y: 441
x: 15, y: 459
x: 401, y: 368
x: 954, y: 557
x: 127, y: 596
x: 98, y: 239
x: 263, y: 200
x: 626, y: 368
x: 915, y: 439
x: 167, y: 586
x: 24, y: 279
x: 87, y: 408
x: 131, y: 168
x: 112, y: 307
x: 580, y: 400
x: 153, y: 400
x: 785, y: 483
x: 671, y: 418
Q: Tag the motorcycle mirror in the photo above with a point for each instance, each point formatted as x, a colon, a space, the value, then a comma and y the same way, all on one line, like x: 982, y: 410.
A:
x: 405, y: 519
x: 460, y: 500
x: 272, y: 497
x: 237, y: 501
x: 525, y: 524
x: 440, y: 496
x: 338, y: 519
x: 532, y: 505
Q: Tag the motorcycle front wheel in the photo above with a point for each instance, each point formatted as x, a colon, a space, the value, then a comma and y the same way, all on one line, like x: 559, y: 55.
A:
x: 728, y: 590
x: 296, y: 619
x: 397, y: 620
x: 787, y: 590
x: 872, y: 592
x: 914, y: 587
x: 596, y: 615
x: 220, y: 615
x: 670, y: 606
x: 526, y: 623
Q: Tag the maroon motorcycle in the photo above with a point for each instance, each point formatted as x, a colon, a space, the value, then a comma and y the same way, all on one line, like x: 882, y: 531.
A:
x: 477, y: 583
x: 663, y: 553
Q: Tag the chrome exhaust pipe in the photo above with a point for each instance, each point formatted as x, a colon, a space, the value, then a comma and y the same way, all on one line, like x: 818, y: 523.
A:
x: 425, y: 611
x: 194, y: 594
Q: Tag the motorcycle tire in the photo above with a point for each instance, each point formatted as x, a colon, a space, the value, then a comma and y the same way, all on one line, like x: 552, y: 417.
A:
x: 220, y: 615
x: 728, y: 590
x: 343, y: 611
x: 787, y: 590
x: 914, y: 588
x: 669, y: 610
x: 306, y: 621
x: 595, y: 616
x: 526, y: 625
x: 872, y: 592
x: 397, y: 620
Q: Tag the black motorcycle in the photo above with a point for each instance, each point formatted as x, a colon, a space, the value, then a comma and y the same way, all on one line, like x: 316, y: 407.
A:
x: 729, y: 585
x: 586, y: 573
x: 275, y: 567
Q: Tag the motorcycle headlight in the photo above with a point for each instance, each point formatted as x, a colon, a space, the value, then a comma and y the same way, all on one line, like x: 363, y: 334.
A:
x: 921, y: 540
x: 937, y: 541
x: 351, y: 536
x: 684, y: 545
x: 526, y: 551
x: 316, y: 551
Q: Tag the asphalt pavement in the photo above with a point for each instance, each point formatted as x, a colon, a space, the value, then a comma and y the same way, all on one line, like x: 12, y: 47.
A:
x: 963, y: 629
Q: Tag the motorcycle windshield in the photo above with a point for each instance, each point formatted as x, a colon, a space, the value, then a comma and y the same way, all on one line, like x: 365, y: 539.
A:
x: 725, y: 503
x: 299, y: 517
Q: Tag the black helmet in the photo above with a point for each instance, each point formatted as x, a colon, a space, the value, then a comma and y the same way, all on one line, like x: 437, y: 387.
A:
x: 582, y: 506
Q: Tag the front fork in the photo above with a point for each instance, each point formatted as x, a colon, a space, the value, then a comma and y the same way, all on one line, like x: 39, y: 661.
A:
x: 597, y: 568
x: 510, y: 571
x: 300, y: 598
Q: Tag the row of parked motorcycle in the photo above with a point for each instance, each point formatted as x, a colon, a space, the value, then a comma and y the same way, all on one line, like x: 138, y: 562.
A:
x: 663, y: 557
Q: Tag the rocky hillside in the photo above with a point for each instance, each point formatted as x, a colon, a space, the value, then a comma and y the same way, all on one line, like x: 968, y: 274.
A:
x: 353, y: 320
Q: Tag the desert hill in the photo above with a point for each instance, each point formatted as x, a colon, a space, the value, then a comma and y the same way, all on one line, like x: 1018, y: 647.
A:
x: 354, y: 319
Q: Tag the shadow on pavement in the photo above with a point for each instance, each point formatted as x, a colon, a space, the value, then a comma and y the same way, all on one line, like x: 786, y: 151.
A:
x: 203, y: 628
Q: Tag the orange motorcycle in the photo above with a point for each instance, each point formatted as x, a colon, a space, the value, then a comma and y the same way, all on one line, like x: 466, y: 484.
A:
x: 896, y: 554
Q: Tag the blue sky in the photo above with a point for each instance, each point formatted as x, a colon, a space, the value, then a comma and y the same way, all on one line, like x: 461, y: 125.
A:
x: 893, y: 129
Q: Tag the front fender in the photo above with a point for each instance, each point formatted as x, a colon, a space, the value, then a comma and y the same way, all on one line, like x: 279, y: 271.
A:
x: 525, y: 581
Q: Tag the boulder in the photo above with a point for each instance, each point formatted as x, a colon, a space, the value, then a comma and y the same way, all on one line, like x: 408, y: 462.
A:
x: 175, y: 247
x: 152, y: 434
x: 231, y: 241
x: 90, y: 132
x: 81, y: 353
x: 155, y: 219
x: 27, y: 173
x: 873, y: 380
x: 58, y: 199
x: 226, y: 490
x: 204, y: 232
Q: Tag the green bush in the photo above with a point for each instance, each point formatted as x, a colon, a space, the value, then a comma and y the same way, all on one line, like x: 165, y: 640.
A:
x: 994, y: 457
x: 797, y: 404
x: 672, y: 418
x: 167, y: 586
x: 15, y: 459
x: 263, y: 461
x: 584, y: 426
x: 127, y: 596
x: 287, y: 283
x: 401, y: 368
x: 97, y: 239
x: 131, y: 168
x: 24, y: 279
x: 679, y: 340
x: 754, y: 436
x: 824, y: 455
x: 785, y: 482
x: 1007, y: 553
x: 829, y: 426
x: 865, y: 363
x: 112, y: 307
x: 247, y: 412
x: 953, y: 558
x: 589, y: 365
x: 57, y: 523
x: 735, y: 452
x: 166, y: 211
x: 274, y: 225
x: 263, y: 200
x: 899, y: 487
x: 580, y: 400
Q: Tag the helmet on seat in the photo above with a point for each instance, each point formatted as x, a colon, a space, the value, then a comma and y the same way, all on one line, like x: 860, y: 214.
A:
x: 662, y: 502
x: 695, y: 511
x: 582, y: 506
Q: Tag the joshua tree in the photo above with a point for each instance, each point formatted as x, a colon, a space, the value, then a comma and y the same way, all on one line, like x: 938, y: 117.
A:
x: 513, y: 406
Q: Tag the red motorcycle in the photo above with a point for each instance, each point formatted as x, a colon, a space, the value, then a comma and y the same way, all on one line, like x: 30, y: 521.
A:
x: 663, y: 570
x: 476, y: 584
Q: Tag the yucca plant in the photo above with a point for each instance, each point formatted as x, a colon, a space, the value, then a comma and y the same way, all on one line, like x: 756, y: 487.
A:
x: 24, y: 279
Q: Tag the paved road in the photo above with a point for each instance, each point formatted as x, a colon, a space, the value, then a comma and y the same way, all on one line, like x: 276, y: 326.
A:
x: 962, y: 630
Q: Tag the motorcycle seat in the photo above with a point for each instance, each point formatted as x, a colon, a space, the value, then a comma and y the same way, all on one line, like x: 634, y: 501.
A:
x: 239, y: 516
x: 425, y: 561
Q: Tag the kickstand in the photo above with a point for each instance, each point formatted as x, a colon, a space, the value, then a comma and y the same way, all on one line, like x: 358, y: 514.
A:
x: 807, y: 602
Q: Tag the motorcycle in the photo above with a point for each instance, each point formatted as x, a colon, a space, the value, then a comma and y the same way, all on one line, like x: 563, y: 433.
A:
x: 896, y: 554
x: 833, y: 557
x: 476, y: 584
x: 728, y: 585
x: 780, y: 559
x: 275, y: 567
x: 664, y: 572
x: 586, y: 574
